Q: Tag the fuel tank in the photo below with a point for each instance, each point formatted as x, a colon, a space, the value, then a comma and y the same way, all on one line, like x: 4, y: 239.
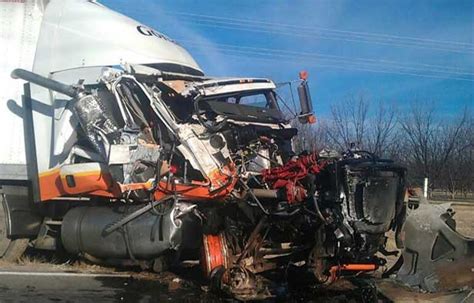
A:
x: 85, y: 231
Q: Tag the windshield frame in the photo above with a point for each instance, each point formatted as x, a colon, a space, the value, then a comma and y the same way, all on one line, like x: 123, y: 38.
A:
x: 244, y: 112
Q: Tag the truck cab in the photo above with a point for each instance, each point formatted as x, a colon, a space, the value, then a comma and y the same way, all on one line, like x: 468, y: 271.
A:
x: 134, y: 155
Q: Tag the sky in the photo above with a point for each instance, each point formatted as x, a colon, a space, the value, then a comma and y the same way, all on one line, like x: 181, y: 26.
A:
x: 391, y: 51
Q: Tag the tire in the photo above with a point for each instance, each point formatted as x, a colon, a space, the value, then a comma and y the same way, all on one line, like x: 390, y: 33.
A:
x: 10, y: 250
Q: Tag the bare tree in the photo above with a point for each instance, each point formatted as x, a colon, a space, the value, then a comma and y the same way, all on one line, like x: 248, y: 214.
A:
x: 349, y: 122
x: 311, y: 137
x: 436, y: 146
x: 419, y: 127
x: 382, y: 130
x: 355, y: 120
x: 453, y: 166
x: 429, y: 144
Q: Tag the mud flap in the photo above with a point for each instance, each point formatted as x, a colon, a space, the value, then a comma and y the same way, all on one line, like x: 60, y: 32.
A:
x: 22, y: 219
x: 436, y: 257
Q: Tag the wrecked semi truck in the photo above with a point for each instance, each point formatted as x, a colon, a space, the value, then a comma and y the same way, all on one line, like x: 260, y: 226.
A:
x: 132, y: 155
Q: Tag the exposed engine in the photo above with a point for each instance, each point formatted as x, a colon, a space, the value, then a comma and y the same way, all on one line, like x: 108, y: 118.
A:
x: 204, y: 168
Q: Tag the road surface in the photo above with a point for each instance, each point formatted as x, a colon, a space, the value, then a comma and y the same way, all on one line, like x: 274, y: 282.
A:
x: 18, y: 284
x: 43, y: 286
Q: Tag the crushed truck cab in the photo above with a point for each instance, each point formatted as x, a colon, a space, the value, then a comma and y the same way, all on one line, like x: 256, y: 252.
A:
x: 132, y: 155
x: 181, y: 165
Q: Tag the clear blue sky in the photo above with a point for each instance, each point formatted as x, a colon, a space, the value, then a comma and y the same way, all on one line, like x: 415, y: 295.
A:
x: 397, y: 51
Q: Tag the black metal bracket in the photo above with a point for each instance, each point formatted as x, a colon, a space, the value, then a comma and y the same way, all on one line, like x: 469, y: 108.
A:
x: 30, y: 143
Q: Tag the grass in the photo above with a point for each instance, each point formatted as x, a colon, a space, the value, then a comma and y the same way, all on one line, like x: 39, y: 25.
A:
x: 42, y: 260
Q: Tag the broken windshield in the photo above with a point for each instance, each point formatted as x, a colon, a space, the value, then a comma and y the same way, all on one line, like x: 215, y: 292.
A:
x: 255, y: 106
x: 260, y: 99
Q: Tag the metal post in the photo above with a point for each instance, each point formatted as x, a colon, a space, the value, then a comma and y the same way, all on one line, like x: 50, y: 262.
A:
x: 30, y: 144
x: 425, y: 188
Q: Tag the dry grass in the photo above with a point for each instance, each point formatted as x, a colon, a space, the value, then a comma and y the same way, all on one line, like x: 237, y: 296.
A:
x: 27, y: 260
x: 464, y: 220
x: 48, y: 261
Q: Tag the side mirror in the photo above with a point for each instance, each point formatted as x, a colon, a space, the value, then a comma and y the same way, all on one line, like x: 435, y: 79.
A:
x: 306, y: 115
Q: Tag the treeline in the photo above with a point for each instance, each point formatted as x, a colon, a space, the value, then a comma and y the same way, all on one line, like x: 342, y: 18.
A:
x: 428, y: 142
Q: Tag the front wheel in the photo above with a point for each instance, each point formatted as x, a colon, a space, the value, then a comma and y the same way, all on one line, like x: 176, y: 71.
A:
x: 10, y: 249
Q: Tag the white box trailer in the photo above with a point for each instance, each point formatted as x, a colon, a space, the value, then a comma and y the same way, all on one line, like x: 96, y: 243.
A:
x: 64, y: 40
x: 20, y: 23
x: 19, y: 31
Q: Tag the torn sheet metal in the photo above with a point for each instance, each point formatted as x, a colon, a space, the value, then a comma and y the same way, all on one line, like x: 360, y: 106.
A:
x: 436, y: 257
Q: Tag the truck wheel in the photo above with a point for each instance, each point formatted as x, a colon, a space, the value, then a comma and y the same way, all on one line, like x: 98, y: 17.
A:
x: 10, y: 250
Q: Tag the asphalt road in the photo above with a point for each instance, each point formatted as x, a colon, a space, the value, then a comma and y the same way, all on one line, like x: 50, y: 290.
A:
x: 35, y: 286
x: 21, y: 285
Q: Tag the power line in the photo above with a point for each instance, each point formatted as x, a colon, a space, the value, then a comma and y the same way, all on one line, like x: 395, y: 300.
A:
x: 332, y: 58
x: 437, y: 68
x: 321, y: 28
x: 347, y: 67
x: 413, y: 69
x: 327, y: 37
x: 372, y: 35
x: 323, y: 33
x: 325, y: 62
x: 218, y: 21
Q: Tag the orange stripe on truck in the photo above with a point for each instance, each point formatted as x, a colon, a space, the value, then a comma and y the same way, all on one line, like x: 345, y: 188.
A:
x: 53, y: 185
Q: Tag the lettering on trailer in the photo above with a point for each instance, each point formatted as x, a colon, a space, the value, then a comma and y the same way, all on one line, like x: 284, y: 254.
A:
x: 146, y: 31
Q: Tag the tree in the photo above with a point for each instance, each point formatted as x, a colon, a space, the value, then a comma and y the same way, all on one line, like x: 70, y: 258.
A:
x: 311, y: 137
x: 454, y: 164
x: 418, y: 128
x: 355, y: 120
x: 349, y: 121
x: 382, y: 131
x: 429, y: 144
x: 435, y: 146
